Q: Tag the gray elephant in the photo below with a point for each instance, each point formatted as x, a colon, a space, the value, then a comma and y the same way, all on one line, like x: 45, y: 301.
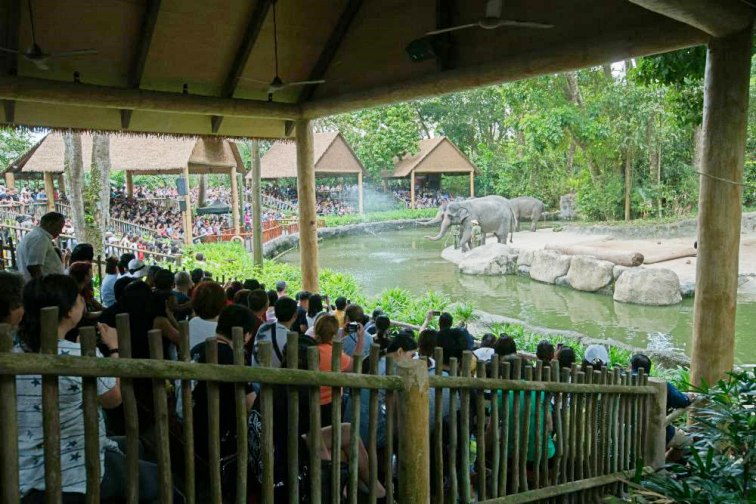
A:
x: 527, y: 208
x: 492, y: 213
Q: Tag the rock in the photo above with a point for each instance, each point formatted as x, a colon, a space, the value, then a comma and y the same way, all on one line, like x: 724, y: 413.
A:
x: 687, y: 289
x: 490, y: 259
x: 589, y: 274
x: 653, y: 286
x: 617, y: 271
x: 525, y: 258
x: 523, y: 271
x: 548, y: 265
x: 562, y: 281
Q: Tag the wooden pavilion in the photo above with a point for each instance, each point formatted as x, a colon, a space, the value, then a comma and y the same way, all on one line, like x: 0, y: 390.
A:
x: 141, y: 155
x: 435, y: 157
x: 193, y: 67
x: 332, y: 157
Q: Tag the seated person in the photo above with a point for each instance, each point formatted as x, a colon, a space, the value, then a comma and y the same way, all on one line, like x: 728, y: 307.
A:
x: 566, y: 356
x: 208, y: 300
x: 486, y: 350
x: 11, y: 303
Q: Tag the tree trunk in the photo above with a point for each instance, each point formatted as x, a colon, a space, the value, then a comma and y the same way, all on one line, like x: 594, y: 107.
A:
x: 98, y: 193
x: 201, y: 193
x: 572, y: 93
x: 628, y: 183
x: 73, y: 166
x: 607, y: 67
x: 571, y: 157
x: 697, y: 146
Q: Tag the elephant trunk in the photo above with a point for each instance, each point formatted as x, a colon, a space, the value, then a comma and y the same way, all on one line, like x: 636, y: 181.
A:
x: 444, y: 228
x: 435, y: 220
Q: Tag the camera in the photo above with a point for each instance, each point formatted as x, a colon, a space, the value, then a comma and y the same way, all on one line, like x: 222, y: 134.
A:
x: 352, y: 327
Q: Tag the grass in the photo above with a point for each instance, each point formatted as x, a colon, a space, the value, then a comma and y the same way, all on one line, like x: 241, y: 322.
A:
x: 402, y: 214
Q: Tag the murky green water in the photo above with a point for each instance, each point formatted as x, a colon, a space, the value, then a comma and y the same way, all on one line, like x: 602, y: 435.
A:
x: 405, y: 259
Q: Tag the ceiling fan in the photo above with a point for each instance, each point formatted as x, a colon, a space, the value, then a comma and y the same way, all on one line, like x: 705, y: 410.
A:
x: 492, y: 20
x: 277, y: 84
x: 39, y: 57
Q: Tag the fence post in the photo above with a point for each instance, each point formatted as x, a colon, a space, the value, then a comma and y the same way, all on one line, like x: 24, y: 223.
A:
x: 414, y: 439
x: 655, y: 442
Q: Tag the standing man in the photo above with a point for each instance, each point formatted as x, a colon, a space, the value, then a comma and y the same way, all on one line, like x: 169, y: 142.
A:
x: 281, y: 288
x: 36, y: 253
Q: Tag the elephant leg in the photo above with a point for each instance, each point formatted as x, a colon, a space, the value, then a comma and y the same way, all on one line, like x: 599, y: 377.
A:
x: 465, y: 239
x: 534, y: 222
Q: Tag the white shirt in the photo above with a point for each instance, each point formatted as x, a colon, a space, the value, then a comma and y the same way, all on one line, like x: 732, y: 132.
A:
x: 201, y: 329
x: 30, y: 439
x: 37, y: 249
x: 484, y: 353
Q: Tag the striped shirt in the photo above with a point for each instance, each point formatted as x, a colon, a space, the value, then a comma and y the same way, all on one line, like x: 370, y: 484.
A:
x: 70, y: 408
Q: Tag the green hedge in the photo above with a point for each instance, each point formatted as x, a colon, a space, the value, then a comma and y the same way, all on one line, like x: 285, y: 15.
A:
x: 407, y: 213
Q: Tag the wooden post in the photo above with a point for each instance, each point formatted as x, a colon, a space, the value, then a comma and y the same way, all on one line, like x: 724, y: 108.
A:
x: 472, y: 184
x: 360, y: 192
x: 257, y: 243
x: 234, y: 200
x: 308, y: 233
x: 9, y: 491
x: 655, y: 442
x: 49, y: 191
x: 414, y: 443
x: 728, y: 63
x: 188, y: 212
x: 129, y: 185
x: 412, y: 189
x: 10, y: 180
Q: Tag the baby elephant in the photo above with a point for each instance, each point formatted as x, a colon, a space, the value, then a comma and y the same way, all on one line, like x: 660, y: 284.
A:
x: 527, y: 208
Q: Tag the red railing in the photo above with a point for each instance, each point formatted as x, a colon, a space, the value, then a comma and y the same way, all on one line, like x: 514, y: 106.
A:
x: 271, y: 230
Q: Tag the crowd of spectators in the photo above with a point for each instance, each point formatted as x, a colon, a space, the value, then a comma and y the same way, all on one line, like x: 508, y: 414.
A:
x: 423, y: 198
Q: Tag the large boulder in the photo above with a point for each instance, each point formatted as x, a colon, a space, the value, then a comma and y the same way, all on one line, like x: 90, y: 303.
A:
x: 648, y: 286
x: 490, y: 259
x: 548, y: 265
x: 526, y: 257
x: 589, y: 274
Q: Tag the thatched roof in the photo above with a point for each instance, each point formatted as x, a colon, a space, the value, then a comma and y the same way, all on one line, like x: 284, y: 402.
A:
x: 199, y: 67
x: 144, y: 155
x: 332, y: 157
x: 434, y: 155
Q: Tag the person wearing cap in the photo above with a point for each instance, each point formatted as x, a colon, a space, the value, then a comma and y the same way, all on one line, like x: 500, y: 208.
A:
x: 595, y: 357
x: 281, y: 288
x: 137, y: 269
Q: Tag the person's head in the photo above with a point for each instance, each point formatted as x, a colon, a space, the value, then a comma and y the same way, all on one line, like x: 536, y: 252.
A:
x: 120, y: 286
x: 326, y: 328
x: 53, y: 223
x: 315, y: 305
x: 59, y: 291
x: 251, y: 284
x: 81, y: 272
x: 208, y: 300
x: 640, y: 361
x: 82, y: 252
x: 272, y: 297
x: 340, y: 303
x: 376, y: 312
x: 402, y: 347
x: 232, y: 289
x: 11, y: 298
x: 566, y: 357
x: 545, y: 351
x: 354, y: 313
x: 123, y: 262
x: 453, y: 344
x: 596, y: 356
x: 235, y: 316
x: 303, y: 298
x: 111, y: 265
x: 281, y: 288
x: 164, y: 280
x: 242, y: 298
x: 488, y: 340
x: 197, y: 275
x: 258, y: 301
x: 137, y: 268
x: 286, y: 311
x: 426, y: 342
x: 445, y: 320
x: 183, y: 281
x: 505, y: 345
x: 151, y: 272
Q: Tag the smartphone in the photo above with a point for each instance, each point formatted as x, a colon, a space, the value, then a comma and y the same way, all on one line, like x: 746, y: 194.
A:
x: 436, y: 313
x: 352, y: 327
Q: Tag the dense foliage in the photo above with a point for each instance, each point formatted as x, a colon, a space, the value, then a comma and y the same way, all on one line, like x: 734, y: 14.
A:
x: 341, y: 220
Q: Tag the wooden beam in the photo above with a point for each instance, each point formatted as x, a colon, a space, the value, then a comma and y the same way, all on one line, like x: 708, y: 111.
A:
x: 90, y: 95
x: 666, y: 35
x: 444, y: 19
x: 254, y: 27
x: 725, y: 115
x: 330, y: 48
x: 235, y: 200
x: 715, y: 17
x: 308, y: 232
x: 149, y: 20
x: 9, y: 61
x: 49, y: 191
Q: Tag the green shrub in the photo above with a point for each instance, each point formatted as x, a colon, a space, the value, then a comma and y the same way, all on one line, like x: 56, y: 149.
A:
x: 403, y: 214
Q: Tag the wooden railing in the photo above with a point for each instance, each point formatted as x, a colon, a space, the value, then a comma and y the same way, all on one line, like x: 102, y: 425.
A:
x: 605, y: 424
x: 117, y: 226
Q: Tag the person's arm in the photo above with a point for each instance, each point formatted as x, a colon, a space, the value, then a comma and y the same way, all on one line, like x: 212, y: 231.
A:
x: 360, y: 340
x: 675, y: 398
x: 111, y: 398
x: 428, y: 318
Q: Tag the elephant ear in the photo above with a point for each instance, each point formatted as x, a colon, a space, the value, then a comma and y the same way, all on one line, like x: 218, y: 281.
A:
x: 463, y: 213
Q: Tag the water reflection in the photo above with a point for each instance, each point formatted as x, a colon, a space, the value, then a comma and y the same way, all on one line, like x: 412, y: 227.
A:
x: 405, y: 259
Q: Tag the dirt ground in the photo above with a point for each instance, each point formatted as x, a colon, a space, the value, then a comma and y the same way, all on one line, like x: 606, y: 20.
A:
x: 685, y: 267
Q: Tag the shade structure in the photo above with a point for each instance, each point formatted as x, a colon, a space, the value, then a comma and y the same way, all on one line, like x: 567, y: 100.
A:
x: 214, y: 208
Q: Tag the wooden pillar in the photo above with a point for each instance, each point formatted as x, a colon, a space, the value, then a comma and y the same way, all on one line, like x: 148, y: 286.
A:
x: 414, y: 442
x: 188, y: 212
x: 257, y: 243
x: 308, y: 233
x: 728, y: 63
x: 50, y: 191
x: 360, y: 192
x: 655, y: 448
x: 412, y: 189
x: 472, y: 184
x: 10, y: 180
x: 130, y: 184
x: 235, y: 200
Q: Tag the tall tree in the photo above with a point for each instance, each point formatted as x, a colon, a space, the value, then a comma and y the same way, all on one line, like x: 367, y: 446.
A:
x: 74, y: 177
x: 97, y: 201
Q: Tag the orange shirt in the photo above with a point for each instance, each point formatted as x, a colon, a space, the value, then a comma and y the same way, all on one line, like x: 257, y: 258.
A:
x: 326, y: 354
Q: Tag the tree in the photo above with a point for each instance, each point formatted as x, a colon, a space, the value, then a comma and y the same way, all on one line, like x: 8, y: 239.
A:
x: 73, y: 170
x: 97, y: 200
x: 13, y: 144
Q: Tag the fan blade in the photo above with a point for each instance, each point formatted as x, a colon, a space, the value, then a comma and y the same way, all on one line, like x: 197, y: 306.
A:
x: 519, y: 24
x: 304, y: 83
x: 453, y: 28
x: 256, y: 81
x: 493, y: 8
x: 12, y: 51
x: 40, y: 63
x: 78, y: 52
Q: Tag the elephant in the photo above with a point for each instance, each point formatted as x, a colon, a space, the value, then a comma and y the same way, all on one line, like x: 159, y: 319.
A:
x: 528, y: 208
x: 493, y: 214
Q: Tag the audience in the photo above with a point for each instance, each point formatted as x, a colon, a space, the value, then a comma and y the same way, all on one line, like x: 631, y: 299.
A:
x: 276, y: 331
x: 108, y: 283
x: 208, y: 300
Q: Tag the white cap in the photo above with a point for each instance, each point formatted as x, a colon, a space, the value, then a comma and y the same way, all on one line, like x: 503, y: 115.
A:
x: 596, y: 353
x: 137, y: 269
